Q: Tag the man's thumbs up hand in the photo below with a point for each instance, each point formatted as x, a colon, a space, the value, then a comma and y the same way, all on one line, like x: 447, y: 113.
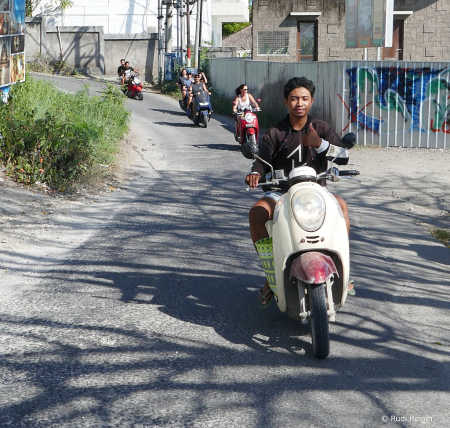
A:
x: 312, y: 139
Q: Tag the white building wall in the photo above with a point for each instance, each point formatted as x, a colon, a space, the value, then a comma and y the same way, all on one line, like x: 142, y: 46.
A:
x: 226, y: 11
x: 140, y: 16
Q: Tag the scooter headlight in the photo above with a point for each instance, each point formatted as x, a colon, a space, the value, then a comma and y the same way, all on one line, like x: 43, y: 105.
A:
x: 248, y: 118
x: 308, y: 207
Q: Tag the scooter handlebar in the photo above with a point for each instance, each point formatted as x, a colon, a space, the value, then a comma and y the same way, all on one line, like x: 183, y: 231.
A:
x: 348, y: 173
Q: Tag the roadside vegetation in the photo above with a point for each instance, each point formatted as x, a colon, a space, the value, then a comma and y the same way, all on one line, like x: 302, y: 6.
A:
x: 54, y: 138
x: 442, y: 235
x: 46, y: 64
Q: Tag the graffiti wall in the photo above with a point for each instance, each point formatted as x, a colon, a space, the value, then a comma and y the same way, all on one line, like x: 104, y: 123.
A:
x: 12, y: 43
x: 399, y: 105
x: 385, y: 103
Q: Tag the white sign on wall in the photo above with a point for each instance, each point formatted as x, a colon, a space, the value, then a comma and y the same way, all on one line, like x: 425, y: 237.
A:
x: 369, y: 23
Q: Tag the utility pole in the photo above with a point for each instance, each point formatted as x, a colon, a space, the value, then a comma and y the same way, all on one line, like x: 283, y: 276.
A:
x: 200, y: 32
x: 197, y: 28
x: 188, y: 34
x: 181, y: 11
x: 168, y: 24
x: 160, y: 44
x: 178, y: 33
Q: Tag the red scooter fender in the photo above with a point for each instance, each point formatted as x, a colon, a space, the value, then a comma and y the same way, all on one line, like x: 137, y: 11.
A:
x: 313, y: 267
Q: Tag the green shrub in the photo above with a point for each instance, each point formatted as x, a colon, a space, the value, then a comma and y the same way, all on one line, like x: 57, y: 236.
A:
x: 170, y: 87
x: 54, y: 137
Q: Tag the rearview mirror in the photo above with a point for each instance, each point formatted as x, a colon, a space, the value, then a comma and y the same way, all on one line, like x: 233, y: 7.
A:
x: 349, y: 140
x: 258, y: 100
x: 250, y: 150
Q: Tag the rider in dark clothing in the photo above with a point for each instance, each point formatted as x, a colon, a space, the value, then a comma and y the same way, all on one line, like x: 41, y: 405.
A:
x: 280, y: 143
x: 121, y: 68
x: 197, y: 86
x: 126, y: 74
x: 297, y: 140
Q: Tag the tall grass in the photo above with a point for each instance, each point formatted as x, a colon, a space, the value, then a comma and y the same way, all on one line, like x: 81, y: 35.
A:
x: 54, y: 137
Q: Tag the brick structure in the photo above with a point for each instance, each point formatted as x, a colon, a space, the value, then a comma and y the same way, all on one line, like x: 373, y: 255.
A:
x: 279, y: 25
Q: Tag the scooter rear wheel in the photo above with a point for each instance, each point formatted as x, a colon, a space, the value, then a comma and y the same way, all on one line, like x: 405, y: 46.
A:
x: 320, y: 332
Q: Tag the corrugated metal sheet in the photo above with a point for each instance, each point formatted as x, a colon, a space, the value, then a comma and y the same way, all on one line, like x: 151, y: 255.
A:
x: 386, y: 103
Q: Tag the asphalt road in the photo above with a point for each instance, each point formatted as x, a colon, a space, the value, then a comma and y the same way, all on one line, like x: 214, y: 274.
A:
x: 153, y: 321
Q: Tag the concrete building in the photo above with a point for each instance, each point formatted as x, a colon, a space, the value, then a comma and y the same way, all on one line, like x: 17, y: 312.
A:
x: 226, y: 11
x: 314, y: 30
x: 140, y: 16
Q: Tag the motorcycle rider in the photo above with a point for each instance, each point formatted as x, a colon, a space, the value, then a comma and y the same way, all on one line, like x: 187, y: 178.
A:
x: 297, y: 137
x: 203, y: 77
x: 184, y: 82
x: 196, y: 86
x: 127, y: 72
x: 243, y: 99
x: 121, y: 69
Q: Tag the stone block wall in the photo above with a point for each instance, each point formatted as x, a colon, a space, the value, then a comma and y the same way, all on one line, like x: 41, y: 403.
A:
x: 426, y: 30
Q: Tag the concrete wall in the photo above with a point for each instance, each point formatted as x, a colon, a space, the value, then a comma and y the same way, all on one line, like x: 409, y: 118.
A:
x: 425, y: 30
x: 35, y: 42
x: 89, y: 49
x: 125, y: 16
x: 386, y: 103
x: 82, y: 47
x: 140, y: 49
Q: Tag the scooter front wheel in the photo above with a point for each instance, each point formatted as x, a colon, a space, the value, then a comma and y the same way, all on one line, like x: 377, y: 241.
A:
x: 320, y: 332
x: 205, y: 120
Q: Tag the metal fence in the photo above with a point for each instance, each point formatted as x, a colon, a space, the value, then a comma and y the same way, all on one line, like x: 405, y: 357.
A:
x: 386, y: 103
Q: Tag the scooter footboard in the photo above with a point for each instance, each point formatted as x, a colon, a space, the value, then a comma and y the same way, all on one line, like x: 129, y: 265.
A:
x: 313, y: 267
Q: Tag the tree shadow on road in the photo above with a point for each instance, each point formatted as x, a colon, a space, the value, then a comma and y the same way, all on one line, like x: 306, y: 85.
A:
x: 155, y: 321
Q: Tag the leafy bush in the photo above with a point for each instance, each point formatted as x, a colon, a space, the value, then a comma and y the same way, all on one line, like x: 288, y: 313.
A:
x: 229, y: 28
x: 170, y: 87
x: 54, y: 137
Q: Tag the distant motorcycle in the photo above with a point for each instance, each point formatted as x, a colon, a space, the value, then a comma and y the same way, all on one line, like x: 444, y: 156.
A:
x: 134, y: 87
x: 201, y: 110
x: 247, y: 127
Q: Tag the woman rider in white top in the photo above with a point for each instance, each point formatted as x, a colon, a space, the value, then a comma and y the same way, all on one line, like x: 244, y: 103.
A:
x: 243, y: 98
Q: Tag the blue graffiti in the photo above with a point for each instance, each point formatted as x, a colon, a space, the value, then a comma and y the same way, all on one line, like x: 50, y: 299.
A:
x: 390, y: 99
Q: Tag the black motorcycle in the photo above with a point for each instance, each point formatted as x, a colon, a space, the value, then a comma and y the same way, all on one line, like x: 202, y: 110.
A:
x: 201, y: 110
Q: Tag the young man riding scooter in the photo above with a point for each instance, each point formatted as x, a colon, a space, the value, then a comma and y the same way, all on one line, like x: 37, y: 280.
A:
x: 298, y: 139
x: 126, y: 73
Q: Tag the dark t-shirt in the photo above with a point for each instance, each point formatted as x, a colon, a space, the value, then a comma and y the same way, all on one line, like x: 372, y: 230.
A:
x: 120, y: 70
x: 197, y: 87
x: 281, y: 141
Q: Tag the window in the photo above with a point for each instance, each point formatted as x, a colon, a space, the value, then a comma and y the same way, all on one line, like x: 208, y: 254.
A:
x: 307, y: 41
x: 273, y: 42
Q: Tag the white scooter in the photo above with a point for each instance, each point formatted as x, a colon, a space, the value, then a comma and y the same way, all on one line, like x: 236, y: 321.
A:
x: 309, y: 269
